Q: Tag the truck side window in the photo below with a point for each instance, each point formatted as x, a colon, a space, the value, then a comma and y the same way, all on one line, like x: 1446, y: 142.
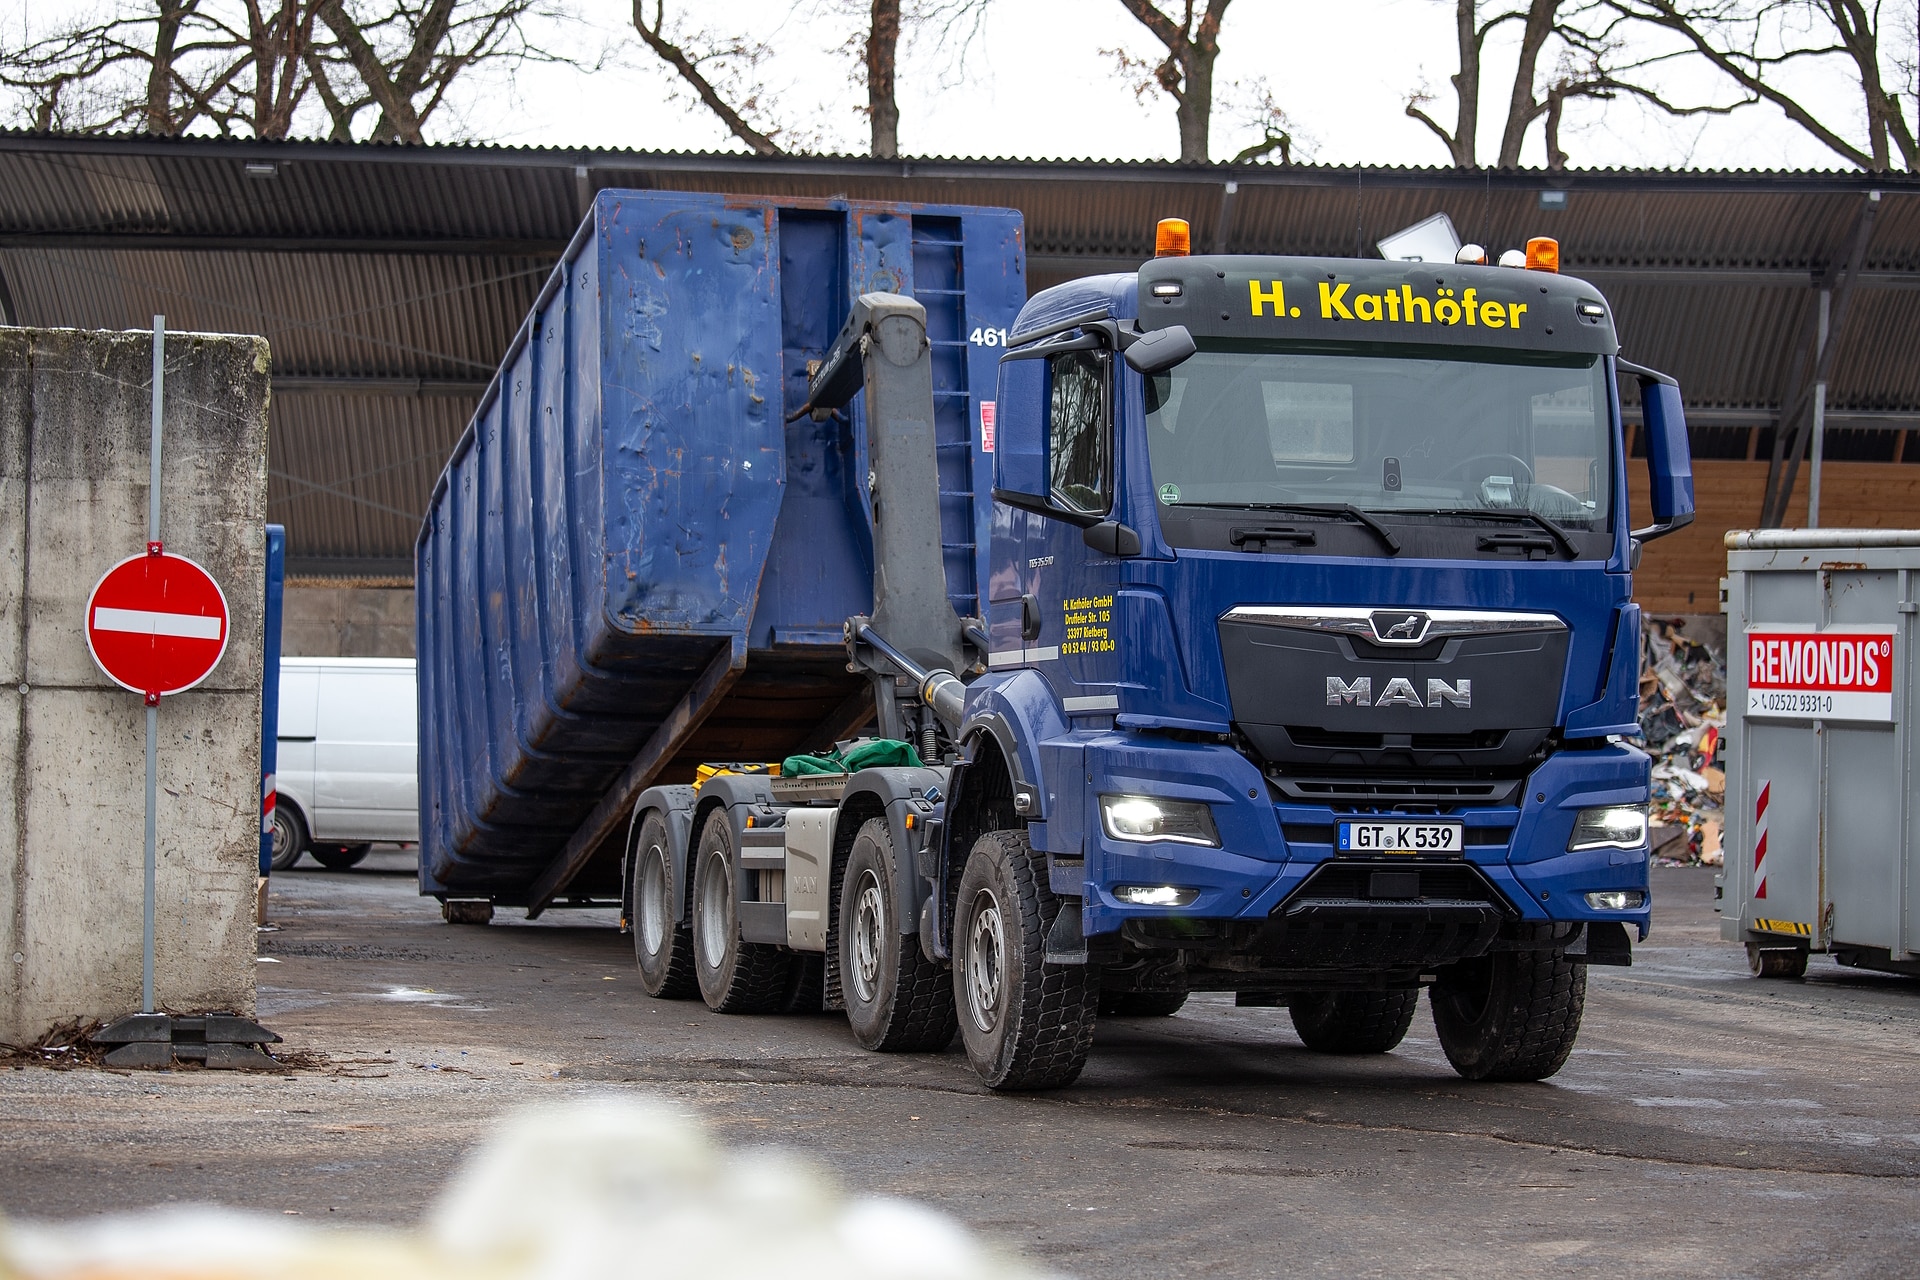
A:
x: 1077, y: 432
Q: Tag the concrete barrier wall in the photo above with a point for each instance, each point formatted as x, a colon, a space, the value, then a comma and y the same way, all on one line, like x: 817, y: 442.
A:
x: 74, y: 422
x: 347, y: 622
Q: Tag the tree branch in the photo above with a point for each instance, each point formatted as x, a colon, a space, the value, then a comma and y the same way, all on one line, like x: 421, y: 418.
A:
x: 674, y: 56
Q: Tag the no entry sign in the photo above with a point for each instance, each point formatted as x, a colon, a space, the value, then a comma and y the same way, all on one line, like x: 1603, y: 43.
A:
x: 157, y: 623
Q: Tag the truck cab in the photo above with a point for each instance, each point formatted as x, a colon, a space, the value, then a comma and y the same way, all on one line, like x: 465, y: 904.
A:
x: 1303, y: 668
x: 1313, y: 653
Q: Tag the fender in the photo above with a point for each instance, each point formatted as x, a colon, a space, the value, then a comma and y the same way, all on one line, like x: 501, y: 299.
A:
x: 899, y: 792
x: 1020, y: 711
x: 676, y: 806
x: 741, y: 795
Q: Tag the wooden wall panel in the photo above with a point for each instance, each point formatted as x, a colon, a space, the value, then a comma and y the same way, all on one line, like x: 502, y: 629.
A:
x: 1681, y: 573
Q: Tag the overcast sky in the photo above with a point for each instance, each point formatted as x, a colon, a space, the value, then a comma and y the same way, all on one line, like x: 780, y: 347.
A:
x: 1037, y: 82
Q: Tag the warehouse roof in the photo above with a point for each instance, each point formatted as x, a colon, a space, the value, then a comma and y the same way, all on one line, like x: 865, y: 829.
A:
x: 390, y: 279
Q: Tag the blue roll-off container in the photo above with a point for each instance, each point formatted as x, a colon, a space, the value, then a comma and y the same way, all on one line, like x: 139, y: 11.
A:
x: 632, y: 563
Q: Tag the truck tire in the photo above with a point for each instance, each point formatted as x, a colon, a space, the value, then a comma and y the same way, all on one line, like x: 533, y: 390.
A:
x: 289, y: 836
x: 1776, y: 962
x: 1511, y: 1015
x: 735, y: 976
x: 1026, y: 1024
x: 339, y: 857
x: 898, y: 1001
x: 1352, y: 1021
x: 1141, y: 1004
x: 662, y: 946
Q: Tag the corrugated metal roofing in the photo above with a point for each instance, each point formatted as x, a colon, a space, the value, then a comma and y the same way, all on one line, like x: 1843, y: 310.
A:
x: 390, y: 279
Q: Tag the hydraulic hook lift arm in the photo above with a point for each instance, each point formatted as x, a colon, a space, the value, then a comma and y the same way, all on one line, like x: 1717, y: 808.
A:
x: 914, y: 632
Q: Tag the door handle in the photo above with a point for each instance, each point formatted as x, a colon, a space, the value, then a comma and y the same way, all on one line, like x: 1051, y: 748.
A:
x: 1029, y: 618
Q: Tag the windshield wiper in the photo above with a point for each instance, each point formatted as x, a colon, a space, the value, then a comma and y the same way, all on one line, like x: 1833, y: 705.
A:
x: 1516, y: 515
x: 1332, y: 510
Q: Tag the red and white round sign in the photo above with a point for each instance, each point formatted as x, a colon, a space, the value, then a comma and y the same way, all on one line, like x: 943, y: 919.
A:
x: 157, y: 623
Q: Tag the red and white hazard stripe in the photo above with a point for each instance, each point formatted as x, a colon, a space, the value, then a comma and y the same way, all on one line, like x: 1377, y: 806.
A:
x: 268, y: 796
x: 1760, y: 839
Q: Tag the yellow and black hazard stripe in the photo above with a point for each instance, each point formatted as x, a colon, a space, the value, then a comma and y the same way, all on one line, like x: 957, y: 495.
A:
x: 1788, y: 927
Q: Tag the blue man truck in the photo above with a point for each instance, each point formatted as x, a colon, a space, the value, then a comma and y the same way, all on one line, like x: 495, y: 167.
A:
x: 1247, y: 624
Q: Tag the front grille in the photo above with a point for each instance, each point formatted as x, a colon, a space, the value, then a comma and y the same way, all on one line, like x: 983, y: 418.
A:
x: 1371, y: 793
x: 1309, y: 736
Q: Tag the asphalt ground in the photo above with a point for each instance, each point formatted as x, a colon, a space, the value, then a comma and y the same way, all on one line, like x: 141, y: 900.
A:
x: 1707, y: 1124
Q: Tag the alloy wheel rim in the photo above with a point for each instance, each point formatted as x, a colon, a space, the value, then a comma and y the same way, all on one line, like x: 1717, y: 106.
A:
x: 713, y: 911
x: 986, y: 961
x: 869, y: 916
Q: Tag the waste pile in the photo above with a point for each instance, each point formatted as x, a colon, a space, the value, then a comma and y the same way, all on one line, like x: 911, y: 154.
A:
x: 1683, y: 713
x: 606, y: 1188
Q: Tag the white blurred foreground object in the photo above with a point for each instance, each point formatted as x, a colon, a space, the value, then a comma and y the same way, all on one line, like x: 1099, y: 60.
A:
x: 605, y: 1188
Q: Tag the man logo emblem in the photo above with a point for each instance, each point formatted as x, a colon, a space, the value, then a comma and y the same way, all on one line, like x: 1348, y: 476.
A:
x: 1399, y: 626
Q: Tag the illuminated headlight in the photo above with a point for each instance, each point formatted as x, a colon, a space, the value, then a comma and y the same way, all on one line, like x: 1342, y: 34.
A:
x: 1616, y: 900
x: 1614, y: 826
x: 1144, y: 819
x: 1155, y: 895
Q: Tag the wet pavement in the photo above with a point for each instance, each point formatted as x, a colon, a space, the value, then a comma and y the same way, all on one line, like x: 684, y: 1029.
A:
x: 1708, y: 1123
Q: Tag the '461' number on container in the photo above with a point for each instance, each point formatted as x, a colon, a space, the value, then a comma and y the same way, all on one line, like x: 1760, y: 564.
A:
x: 988, y: 337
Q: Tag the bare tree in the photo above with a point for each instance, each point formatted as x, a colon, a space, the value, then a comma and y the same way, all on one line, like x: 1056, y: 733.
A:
x: 1470, y: 38
x: 408, y: 53
x: 250, y: 67
x: 1759, y: 44
x: 1192, y: 42
x: 159, y: 69
x: 882, y: 54
x: 718, y: 68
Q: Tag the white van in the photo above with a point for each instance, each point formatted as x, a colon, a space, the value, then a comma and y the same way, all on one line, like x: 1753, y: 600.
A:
x: 345, y: 777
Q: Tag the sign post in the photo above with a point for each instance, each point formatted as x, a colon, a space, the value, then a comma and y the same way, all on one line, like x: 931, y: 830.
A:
x: 157, y: 624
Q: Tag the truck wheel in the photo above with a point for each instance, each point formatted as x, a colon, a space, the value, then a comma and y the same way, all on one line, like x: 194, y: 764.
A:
x: 662, y: 947
x: 340, y: 857
x: 735, y: 976
x: 1026, y: 1024
x: 898, y: 1001
x: 1776, y: 962
x: 1512, y: 1015
x: 1352, y: 1021
x: 1141, y: 1004
x: 289, y: 836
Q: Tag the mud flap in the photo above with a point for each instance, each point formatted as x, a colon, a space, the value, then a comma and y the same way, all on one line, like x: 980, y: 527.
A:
x: 1602, y: 943
x: 1065, y: 943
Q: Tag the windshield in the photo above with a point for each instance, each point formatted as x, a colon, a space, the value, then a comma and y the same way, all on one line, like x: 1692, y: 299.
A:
x: 1485, y: 431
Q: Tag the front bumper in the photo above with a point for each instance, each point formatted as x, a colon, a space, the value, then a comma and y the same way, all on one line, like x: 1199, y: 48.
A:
x: 1269, y: 850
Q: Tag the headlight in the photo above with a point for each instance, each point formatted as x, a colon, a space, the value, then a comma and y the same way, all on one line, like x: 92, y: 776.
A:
x: 1155, y: 895
x: 1614, y: 826
x: 1616, y: 900
x: 1144, y: 819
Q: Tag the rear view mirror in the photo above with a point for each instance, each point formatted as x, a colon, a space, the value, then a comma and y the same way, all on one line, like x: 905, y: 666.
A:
x: 1159, y: 350
x: 1669, y: 458
x: 1020, y: 451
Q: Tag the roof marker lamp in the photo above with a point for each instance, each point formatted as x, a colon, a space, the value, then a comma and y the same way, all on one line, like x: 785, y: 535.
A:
x: 1148, y: 820
x: 1613, y: 826
x: 1155, y: 895
x: 1543, y: 254
x: 1172, y: 239
x: 1471, y: 255
x: 1514, y: 258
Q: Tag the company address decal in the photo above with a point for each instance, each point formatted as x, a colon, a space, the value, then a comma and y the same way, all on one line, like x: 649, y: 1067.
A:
x: 1820, y: 675
x: 1392, y: 306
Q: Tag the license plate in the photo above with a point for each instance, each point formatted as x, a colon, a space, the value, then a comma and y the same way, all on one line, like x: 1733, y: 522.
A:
x: 1401, y: 837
